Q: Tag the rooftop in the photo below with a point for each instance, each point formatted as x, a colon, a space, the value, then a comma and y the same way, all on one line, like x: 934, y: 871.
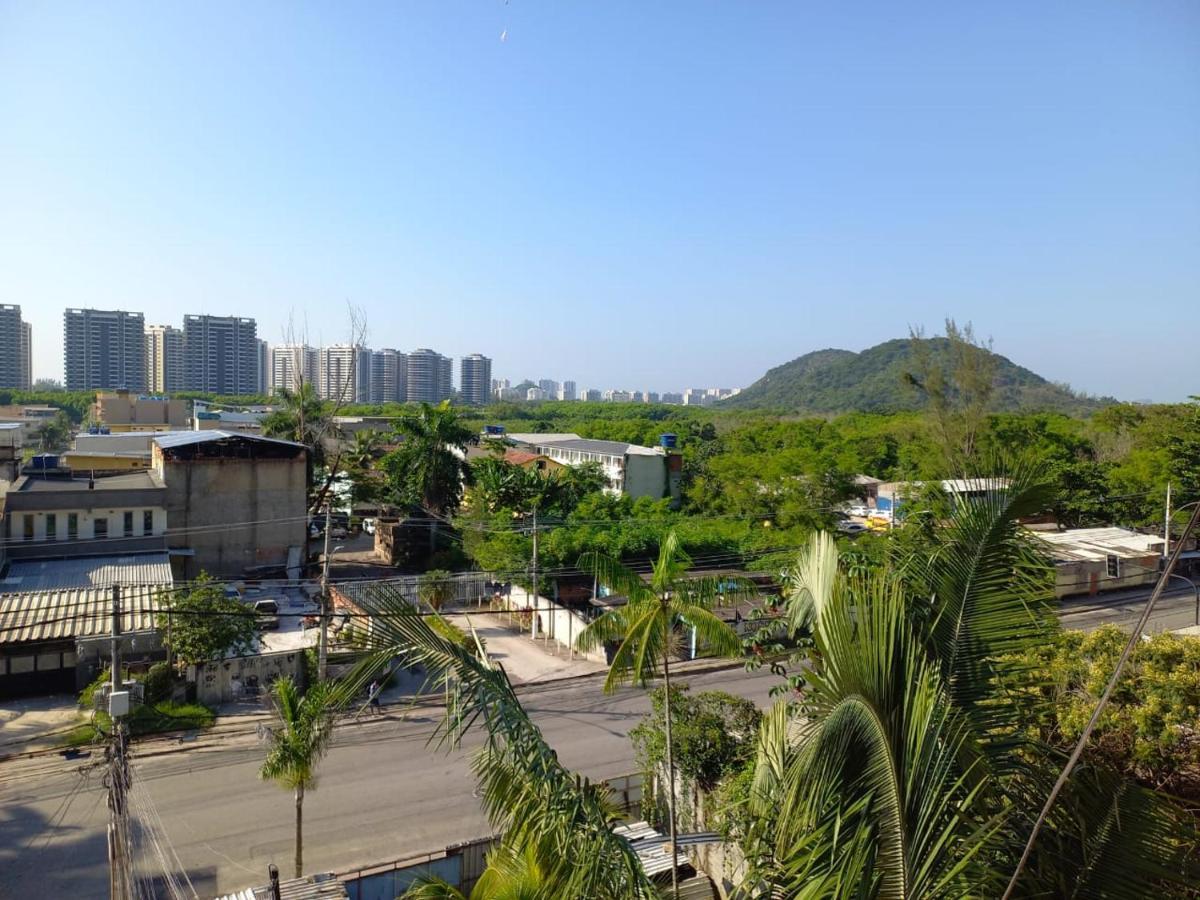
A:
x: 36, y: 484
x: 67, y: 614
x: 1096, y: 544
x: 607, y: 448
x: 86, y: 572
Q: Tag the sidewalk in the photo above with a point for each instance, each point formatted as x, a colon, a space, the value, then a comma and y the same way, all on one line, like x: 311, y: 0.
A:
x: 525, y: 660
x: 37, y: 723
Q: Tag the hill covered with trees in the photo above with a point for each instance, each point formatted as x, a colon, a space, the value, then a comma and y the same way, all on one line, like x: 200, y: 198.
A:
x: 838, y: 381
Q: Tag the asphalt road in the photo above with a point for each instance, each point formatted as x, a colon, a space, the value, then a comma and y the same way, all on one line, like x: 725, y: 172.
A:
x: 383, y: 795
x: 1175, y: 609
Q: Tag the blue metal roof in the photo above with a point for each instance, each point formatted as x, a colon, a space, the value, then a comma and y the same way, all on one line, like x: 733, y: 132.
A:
x: 170, y: 439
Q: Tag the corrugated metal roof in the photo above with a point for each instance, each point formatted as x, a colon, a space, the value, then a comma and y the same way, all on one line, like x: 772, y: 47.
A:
x: 311, y: 887
x: 170, y: 439
x: 1095, y: 544
x: 26, y: 575
x: 63, y: 615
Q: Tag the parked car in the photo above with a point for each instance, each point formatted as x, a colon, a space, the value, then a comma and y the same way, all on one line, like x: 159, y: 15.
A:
x: 861, y: 511
x: 851, y: 528
x: 266, y: 614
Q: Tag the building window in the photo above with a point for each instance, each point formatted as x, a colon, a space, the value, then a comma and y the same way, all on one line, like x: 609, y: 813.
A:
x: 129, y: 524
x: 147, y: 521
x: 72, y: 526
x: 28, y: 527
x: 1113, y: 563
x: 51, y: 527
x: 99, y: 529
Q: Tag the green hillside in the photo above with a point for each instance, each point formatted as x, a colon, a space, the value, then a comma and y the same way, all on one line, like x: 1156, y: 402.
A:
x: 836, y: 381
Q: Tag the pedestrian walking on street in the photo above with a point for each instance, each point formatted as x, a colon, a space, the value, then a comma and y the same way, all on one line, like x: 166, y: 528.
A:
x: 373, y: 693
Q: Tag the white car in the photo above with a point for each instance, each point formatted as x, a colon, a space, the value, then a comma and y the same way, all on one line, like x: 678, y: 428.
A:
x: 860, y: 511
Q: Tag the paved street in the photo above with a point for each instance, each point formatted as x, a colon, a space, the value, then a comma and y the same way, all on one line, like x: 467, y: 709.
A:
x: 383, y: 794
x: 1175, y: 609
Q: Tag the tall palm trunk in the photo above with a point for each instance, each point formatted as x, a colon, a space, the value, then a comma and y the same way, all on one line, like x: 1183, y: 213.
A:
x: 299, y: 830
x: 670, y: 770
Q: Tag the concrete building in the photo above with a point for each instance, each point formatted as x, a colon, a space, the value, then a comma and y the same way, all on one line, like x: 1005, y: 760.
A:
x: 1091, y: 560
x: 127, y: 411
x: 344, y: 374
x: 389, y: 376
x: 12, y: 341
x: 12, y: 439
x: 220, y: 355
x: 164, y: 359
x: 631, y: 469
x: 27, y: 354
x: 237, y: 502
x: 429, y: 376
x: 890, y: 496
x: 567, y: 391
x: 674, y: 398
x: 475, y: 374
x: 104, y: 348
x: 52, y: 512
x: 292, y: 364
x: 535, y: 393
x: 549, y: 387
x: 56, y: 620
x: 262, y: 356
x: 106, y: 454
x: 593, y: 395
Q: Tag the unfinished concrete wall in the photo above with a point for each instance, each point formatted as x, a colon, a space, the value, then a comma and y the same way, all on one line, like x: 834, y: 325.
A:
x: 236, y: 513
x: 244, y: 677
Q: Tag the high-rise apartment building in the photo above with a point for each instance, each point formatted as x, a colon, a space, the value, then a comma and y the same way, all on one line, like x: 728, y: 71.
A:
x: 389, y: 376
x: 13, y: 340
x: 262, y: 358
x: 164, y: 359
x: 27, y: 354
x: 429, y: 376
x: 291, y: 365
x: 475, y: 378
x: 345, y: 374
x: 104, y: 349
x: 567, y: 391
x: 549, y: 387
x: 220, y: 354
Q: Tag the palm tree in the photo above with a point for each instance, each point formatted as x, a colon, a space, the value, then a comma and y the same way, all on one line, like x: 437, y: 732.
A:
x: 557, y: 828
x: 299, y: 740
x: 906, y: 769
x: 644, y: 629
x: 429, y: 470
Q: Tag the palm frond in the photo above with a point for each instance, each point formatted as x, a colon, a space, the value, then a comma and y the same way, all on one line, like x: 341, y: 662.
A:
x: 811, y: 582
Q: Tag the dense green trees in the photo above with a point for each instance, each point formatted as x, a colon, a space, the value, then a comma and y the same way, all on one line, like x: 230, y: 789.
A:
x: 906, y: 766
x: 200, y: 624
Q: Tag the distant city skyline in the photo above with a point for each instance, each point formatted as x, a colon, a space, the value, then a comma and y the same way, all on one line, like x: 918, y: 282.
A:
x: 638, y: 194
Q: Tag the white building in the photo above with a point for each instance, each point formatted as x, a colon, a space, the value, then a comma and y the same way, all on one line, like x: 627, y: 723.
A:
x: 535, y: 393
x: 475, y: 375
x: 292, y: 364
x: 164, y: 359
x: 630, y: 468
x: 429, y: 376
x: 344, y: 374
x: 567, y: 391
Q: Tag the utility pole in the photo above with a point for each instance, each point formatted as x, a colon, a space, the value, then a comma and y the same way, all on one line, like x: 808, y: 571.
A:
x: 1167, y: 525
x: 323, y: 650
x: 120, y: 873
x: 533, y: 614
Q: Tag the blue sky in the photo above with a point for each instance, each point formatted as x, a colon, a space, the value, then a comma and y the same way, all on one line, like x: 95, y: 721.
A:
x: 636, y: 194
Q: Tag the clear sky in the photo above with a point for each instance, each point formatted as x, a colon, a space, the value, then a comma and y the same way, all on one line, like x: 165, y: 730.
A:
x: 629, y: 194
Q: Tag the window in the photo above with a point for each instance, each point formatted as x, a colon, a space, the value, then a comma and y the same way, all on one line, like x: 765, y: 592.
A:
x: 1113, y: 563
x: 72, y: 526
x: 28, y: 527
x: 99, y: 528
x: 147, y: 521
x: 51, y: 527
x: 129, y: 524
